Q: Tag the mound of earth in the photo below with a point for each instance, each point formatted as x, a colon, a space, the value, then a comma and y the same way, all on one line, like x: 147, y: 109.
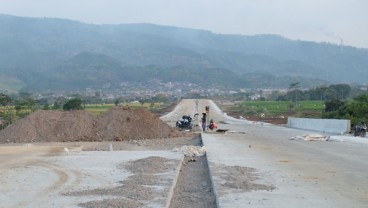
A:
x: 120, y: 123
x: 117, y: 124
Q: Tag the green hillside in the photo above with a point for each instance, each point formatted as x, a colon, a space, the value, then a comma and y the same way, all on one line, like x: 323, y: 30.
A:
x: 39, y: 53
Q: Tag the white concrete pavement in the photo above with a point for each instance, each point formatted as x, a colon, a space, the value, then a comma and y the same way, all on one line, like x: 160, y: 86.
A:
x: 304, y: 173
x: 31, y: 177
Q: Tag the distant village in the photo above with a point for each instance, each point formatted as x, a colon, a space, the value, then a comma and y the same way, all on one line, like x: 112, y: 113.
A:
x: 136, y: 92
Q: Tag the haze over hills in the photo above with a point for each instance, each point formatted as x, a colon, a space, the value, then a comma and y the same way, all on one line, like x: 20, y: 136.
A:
x: 45, y: 53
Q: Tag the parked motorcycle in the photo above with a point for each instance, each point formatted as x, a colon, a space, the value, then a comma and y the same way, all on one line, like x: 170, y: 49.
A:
x: 360, y: 130
x: 184, y: 122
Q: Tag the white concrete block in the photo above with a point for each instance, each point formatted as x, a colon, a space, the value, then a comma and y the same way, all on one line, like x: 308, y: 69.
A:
x: 334, y: 126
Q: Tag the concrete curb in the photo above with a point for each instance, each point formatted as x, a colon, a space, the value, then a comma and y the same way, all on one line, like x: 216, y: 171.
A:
x: 171, y: 192
x: 352, y: 139
x: 210, y: 172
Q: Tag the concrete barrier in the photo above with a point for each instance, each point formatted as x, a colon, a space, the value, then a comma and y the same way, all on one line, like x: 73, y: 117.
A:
x: 334, y: 126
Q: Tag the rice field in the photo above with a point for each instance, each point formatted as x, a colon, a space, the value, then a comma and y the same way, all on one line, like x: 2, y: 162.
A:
x: 92, y: 108
x: 282, y: 107
x: 101, y: 108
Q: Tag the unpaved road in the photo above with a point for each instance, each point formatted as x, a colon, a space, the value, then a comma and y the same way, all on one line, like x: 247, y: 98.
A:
x: 278, y: 172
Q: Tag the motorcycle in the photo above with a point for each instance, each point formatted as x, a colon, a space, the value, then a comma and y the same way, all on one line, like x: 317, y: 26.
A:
x: 360, y: 130
x: 184, y: 122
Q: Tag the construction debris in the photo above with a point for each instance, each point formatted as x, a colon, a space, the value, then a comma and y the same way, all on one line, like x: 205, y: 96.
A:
x: 191, y: 151
x: 311, y: 137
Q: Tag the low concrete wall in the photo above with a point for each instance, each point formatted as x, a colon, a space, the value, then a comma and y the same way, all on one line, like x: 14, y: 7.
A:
x: 334, y: 126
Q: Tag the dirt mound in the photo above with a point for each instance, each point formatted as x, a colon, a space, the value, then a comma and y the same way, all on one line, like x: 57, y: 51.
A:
x: 74, y: 126
x: 117, y: 124
x: 53, y: 126
x: 120, y: 123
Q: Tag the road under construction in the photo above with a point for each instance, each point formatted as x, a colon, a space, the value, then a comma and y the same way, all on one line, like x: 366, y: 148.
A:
x: 252, y: 164
x: 291, y: 173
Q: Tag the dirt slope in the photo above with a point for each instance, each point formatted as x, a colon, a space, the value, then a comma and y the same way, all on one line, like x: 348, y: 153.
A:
x: 118, y: 123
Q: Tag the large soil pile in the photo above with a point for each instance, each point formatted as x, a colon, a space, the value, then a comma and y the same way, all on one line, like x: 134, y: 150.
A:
x: 120, y: 123
x: 117, y: 124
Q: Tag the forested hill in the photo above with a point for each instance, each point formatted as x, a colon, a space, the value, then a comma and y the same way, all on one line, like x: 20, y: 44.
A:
x: 42, y: 52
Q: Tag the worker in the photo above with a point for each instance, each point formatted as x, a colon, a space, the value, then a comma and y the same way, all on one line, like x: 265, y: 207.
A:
x: 212, y: 125
x: 204, y: 117
x: 196, y: 119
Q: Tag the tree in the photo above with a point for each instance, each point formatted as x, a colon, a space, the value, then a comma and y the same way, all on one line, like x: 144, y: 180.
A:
x: 9, y: 117
x: 355, y: 110
x: 46, y: 107
x: 24, y: 94
x: 5, y: 99
x: 294, y: 86
x: 73, y: 104
x: 160, y: 98
x: 333, y: 105
x: 342, y: 90
x: 362, y: 98
x: 330, y: 94
x: 59, y: 103
x: 25, y: 103
x: 117, y: 102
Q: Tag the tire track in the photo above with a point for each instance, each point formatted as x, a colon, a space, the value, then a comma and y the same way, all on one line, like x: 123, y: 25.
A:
x: 65, y: 179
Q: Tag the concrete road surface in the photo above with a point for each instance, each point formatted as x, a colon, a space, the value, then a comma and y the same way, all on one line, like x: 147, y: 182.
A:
x: 44, y: 175
x: 257, y: 165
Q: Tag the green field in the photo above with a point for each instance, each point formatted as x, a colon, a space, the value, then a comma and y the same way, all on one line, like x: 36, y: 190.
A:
x: 282, y: 107
x: 92, y: 108
x: 7, y: 109
x: 101, y: 108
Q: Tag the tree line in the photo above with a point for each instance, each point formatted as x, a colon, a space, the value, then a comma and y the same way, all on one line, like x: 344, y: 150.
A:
x: 341, y: 101
x: 356, y: 109
x: 24, y: 104
x: 335, y: 91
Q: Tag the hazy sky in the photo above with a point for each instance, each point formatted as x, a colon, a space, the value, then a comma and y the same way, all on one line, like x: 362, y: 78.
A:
x: 317, y: 20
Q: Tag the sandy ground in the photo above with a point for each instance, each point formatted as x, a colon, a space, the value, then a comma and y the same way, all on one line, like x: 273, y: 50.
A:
x: 140, y: 174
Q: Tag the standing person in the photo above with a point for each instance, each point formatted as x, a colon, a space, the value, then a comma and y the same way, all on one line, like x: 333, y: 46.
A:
x: 204, y: 118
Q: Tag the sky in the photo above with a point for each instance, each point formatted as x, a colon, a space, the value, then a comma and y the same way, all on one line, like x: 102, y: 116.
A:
x: 330, y: 21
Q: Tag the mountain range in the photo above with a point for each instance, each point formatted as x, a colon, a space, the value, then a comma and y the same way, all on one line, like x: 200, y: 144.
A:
x: 47, y: 53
